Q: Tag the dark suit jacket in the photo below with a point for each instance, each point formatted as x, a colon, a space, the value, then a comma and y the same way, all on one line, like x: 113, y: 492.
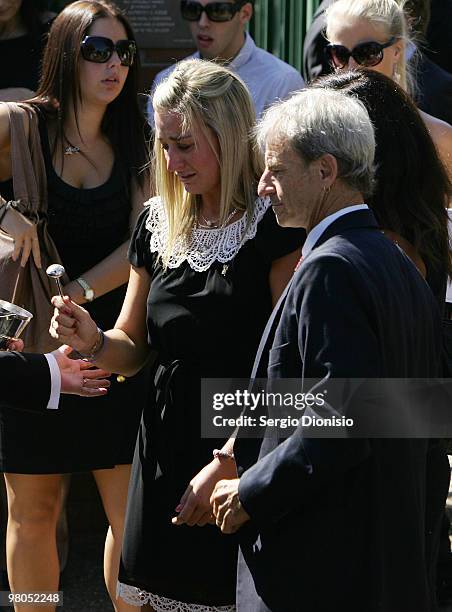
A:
x: 438, y: 34
x: 338, y: 524
x: 435, y: 90
x: 315, y: 63
x: 25, y: 381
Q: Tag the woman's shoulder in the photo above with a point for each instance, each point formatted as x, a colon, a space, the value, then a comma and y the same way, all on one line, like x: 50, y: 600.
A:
x: 150, y: 218
x: 440, y: 131
x: 436, y: 127
x: 441, y: 134
x: 154, y: 203
x: 154, y: 208
x: 9, y: 109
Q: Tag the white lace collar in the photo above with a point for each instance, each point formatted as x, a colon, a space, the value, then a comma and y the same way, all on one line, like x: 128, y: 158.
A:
x: 206, y: 245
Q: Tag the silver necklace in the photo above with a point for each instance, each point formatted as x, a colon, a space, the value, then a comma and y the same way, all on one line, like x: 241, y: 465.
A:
x: 213, y: 224
x: 209, y: 222
x: 70, y: 150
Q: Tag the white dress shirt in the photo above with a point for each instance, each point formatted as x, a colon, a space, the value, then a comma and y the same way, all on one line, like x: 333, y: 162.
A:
x: 55, y: 382
x: 320, y: 228
x: 268, y: 78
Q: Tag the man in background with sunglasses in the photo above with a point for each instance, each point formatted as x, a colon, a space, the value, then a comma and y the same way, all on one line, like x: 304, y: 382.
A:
x: 218, y: 30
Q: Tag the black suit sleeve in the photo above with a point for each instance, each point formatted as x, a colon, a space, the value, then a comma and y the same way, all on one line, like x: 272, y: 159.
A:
x: 435, y: 90
x: 326, y: 315
x: 26, y: 382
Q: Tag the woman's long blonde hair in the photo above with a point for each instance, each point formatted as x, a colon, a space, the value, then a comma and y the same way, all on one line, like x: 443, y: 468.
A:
x: 386, y: 14
x: 205, y: 96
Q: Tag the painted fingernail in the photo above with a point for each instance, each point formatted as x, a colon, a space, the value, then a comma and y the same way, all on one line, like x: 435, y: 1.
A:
x: 178, y: 508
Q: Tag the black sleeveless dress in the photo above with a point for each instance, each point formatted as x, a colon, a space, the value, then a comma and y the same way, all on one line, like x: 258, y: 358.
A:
x: 85, y: 433
x: 204, y: 322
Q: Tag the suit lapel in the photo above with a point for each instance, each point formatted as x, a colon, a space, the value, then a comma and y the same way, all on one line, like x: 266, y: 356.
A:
x: 352, y: 220
x: 268, y: 335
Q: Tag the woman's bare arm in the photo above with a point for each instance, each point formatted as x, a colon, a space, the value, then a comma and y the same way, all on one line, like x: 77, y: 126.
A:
x: 113, y: 270
x: 14, y: 223
x: 281, y: 272
x: 441, y: 133
x: 125, y: 348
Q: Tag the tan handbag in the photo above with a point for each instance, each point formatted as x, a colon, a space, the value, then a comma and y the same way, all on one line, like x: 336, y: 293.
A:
x: 29, y: 287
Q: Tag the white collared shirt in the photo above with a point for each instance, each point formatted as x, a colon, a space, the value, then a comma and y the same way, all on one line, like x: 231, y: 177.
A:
x: 268, y: 78
x: 320, y: 228
x: 55, y: 382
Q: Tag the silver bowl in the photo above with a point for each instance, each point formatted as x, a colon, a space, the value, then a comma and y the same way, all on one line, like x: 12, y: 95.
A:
x: 13, y: 321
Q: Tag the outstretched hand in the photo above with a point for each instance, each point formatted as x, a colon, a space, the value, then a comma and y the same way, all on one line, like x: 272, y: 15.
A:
x: 78, y: 377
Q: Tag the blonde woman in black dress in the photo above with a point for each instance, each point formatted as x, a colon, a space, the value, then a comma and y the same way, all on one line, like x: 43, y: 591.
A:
x: 208, y: 262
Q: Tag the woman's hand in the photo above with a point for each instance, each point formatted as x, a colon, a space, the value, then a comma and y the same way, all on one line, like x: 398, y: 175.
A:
x: 16, y: 345
x: 25, y: 237
x: 194, y: 507
x: 72, y: 325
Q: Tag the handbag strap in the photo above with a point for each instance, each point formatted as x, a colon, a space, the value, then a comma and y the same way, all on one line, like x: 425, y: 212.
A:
x: 17, y: 285
x: 27, y: 161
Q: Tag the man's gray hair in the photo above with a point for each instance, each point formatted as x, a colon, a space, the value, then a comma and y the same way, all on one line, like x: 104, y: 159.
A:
x: 316, y: 122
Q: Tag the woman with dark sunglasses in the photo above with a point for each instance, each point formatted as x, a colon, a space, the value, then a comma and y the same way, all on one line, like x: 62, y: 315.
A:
x: 92, y: 136
x: 373, y: 34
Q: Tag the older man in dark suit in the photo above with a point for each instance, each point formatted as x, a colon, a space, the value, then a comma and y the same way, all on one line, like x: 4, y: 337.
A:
x: 328, y: 523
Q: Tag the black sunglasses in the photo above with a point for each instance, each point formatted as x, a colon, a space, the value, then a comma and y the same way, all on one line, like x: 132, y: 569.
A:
x: 99, y: 49
x: 365, y: 54
x: 215, y: 11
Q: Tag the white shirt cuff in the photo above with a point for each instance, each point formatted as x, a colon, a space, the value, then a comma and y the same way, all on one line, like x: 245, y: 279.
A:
x: 55, y: 381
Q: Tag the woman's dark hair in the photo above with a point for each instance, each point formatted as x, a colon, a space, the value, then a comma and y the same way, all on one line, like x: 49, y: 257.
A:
x: 59, y: 88
x: 30, y: 13
x: 412, y: 186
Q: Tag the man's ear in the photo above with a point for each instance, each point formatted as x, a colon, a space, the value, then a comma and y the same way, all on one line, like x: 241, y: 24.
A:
x: 246, y: 12
x: 328, y: 169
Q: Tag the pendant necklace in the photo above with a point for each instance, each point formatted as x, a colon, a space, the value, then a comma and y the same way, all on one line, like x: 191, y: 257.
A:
x: 209, y: 222
x: 70, y: 150
x: 213, y: 224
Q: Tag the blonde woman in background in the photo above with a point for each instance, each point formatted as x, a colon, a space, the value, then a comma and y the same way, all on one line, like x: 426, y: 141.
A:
x: 373, y: 34
x: 208, y: 263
